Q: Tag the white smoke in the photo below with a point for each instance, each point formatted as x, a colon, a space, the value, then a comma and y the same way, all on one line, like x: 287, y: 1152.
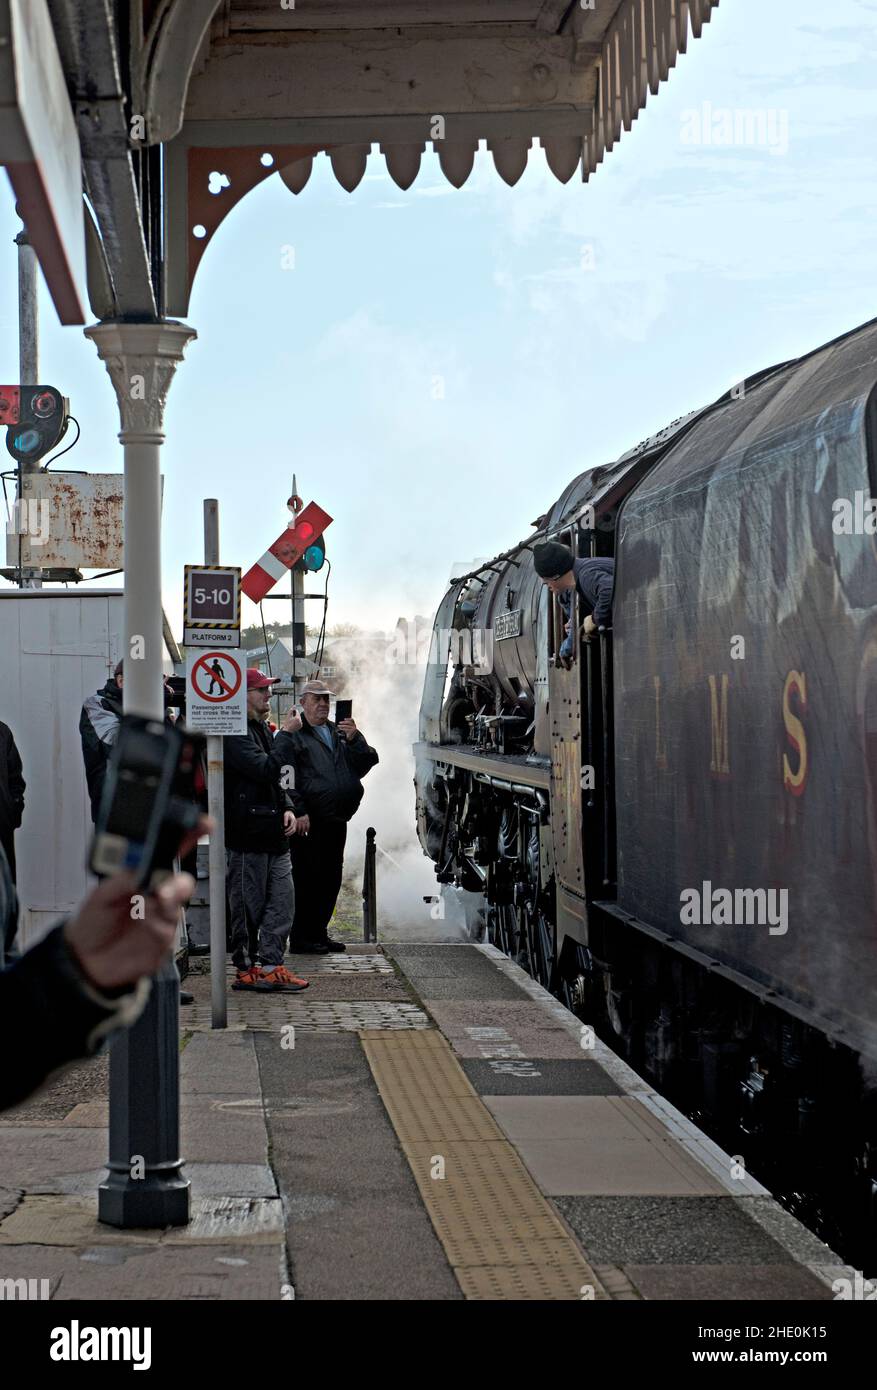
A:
x: 386, y: 703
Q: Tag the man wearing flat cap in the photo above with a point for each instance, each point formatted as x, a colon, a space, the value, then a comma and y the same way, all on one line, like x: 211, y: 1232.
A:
x: 330, y: 763
x: 594, y: 578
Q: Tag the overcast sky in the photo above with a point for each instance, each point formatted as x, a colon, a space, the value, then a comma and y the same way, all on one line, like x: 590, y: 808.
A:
x: 440, y: 363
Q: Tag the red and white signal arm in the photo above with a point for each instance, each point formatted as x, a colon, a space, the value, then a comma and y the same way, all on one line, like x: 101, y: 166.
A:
x: 289, y: 547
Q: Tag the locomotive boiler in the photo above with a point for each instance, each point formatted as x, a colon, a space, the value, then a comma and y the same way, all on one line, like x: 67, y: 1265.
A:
x: 675, y: 829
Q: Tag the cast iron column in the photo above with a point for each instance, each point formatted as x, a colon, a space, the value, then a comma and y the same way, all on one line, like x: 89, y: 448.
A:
x: 145, y: 1186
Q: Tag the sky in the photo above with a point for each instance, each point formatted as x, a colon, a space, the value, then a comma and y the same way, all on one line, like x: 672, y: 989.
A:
x: 439, y: 363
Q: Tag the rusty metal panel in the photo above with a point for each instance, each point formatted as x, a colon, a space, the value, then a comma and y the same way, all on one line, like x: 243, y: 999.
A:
x: 69, y: 520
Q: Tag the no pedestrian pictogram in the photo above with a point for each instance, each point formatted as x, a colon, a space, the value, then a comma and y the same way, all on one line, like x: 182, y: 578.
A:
x: 216, y: 692
x: 217, y: 679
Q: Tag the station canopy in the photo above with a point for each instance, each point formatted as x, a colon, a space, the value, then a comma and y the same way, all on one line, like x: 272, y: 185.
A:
x: 237, y: 91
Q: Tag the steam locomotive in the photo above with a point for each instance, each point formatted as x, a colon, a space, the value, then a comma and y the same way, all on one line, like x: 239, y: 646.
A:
x: 675, y: 829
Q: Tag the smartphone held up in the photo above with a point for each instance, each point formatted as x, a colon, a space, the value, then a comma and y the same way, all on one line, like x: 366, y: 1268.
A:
x: 149, y: 801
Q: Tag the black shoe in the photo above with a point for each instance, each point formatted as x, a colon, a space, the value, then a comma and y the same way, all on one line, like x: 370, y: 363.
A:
x: 186, y: 997
x: 335, y: 945
x: 198, y: 950
x: 308, y: 948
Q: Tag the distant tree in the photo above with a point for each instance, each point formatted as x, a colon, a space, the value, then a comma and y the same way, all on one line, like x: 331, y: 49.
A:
x: 252, y: 636
x: 344, y: 630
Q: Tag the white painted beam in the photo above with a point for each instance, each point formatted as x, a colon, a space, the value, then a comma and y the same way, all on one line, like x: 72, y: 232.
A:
x: 169, y: 60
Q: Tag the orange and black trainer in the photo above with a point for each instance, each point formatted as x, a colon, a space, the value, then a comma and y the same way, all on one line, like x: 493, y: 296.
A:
x: 252, y: 978
x: 280, y: 978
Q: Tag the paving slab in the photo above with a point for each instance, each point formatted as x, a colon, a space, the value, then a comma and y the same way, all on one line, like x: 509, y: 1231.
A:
x: 670, y: 1230
x: 516, y: 1029
x: 230, y: 1180
x: 233, y: 1127
x: 222, y: 1064
x: 147, y: 1271
x: 356, y: 1227
x: 453, y: 972
x: 39, y: 1158
x: 726, y: 1282
x: 71, y: 1220
x: 547, y: 1076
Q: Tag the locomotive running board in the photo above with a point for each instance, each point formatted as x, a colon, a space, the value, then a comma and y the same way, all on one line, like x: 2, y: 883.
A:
x: 504, y: 767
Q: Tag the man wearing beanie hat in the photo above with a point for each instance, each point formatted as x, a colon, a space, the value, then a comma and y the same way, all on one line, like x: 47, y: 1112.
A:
x: 594, y: 578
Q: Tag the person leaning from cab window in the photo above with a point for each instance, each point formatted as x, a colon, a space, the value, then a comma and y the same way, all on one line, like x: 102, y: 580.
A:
x: 594, y: 578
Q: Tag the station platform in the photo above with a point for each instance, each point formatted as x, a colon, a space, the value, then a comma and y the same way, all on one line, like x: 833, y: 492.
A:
x: 424, y: 1123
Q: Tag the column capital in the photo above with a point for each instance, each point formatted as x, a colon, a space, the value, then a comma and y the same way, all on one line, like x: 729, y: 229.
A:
x: 141, y: 359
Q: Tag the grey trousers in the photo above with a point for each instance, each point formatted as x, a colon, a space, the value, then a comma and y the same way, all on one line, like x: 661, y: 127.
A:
x: 261, y: 904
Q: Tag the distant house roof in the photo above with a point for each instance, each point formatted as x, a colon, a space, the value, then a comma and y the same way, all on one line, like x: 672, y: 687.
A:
x: 280, y: 649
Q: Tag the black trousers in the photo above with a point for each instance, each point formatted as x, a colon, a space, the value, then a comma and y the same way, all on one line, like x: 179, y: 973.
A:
x: 317, y: 866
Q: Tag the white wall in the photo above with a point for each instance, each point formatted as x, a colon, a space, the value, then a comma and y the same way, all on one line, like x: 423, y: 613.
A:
x: 56, y: 647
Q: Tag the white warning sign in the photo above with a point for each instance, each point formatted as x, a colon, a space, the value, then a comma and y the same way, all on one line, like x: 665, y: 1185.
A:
x: 216, y: 692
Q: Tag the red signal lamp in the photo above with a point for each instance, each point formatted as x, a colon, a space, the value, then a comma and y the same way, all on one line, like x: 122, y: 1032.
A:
x: 286, y: 552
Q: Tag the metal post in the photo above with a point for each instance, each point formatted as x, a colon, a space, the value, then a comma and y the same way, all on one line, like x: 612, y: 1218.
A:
x: 145, y: 1186
x: 369, y: 889
x: 299, y: 644
x: 28, y: 371
x: 28, y: 312
x: 216, y: 808
x: 297, y: 588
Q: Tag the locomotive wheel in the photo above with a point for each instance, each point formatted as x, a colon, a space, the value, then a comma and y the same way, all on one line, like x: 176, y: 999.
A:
x: 543, y: 940
x: 526, y: 957
x: 501, y: 929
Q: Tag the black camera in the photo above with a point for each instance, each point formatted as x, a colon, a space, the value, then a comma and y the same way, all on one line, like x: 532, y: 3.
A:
x: 175, y: 694
x: 148, y: 802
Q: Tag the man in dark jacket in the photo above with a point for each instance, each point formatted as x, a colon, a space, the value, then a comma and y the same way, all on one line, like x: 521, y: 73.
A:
x: 98, y: 726
x: 12, y: 786
x: 330, y: 762
x: 593, y: 577
x: 86, y: 978
x: 260, y: 807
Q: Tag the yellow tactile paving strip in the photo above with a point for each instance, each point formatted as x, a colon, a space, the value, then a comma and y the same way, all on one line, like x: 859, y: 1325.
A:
x: 501, y: 1236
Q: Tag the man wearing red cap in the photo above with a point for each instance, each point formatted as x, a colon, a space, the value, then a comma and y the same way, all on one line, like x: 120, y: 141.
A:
x: 260, y: 816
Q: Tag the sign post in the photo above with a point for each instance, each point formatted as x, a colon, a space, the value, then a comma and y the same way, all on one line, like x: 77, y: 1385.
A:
x: 216, y: 703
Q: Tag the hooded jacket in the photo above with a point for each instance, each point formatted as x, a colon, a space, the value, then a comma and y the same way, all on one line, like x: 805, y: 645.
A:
x: 328, y: 781
x: 98, y: 728
x: 595, y: 580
